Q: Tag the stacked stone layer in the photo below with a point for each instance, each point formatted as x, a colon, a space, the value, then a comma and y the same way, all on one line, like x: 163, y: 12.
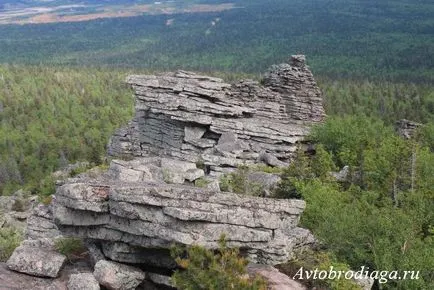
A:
x: 137, y: 222
x: 198, y: 118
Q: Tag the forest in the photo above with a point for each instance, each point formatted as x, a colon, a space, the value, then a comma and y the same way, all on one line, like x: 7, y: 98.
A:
x: 62, y: 94
x: 391, y: 40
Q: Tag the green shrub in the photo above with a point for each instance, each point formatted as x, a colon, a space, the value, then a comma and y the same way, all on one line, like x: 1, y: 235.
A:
x: 80, y: 169
x: 304, y: 168
x: 206, y: 270
x: 47, y: 187
x: 9, y: 240
x: 321, y: 260
x: 70, y: 247
x: 267, y: 169
x: 201, y: 182
x: 238, y: 182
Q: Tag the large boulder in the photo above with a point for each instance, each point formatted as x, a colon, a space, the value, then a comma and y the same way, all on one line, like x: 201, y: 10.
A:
x: 115, y: 276
x: 37, y: 258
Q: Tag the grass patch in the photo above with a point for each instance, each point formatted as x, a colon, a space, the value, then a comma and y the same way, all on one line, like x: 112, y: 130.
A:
x: 9, y: 240
x: 72, y: 248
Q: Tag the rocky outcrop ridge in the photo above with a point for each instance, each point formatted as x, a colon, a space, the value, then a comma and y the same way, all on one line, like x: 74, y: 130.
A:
x: 136, y: 220
x: 188, y: 130
x: 198, y: 118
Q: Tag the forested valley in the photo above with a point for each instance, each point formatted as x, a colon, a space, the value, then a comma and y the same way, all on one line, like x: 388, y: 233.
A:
x: 62, y: 95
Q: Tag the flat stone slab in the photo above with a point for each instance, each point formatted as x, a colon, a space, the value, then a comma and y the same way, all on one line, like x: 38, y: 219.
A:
x: 116, y: 276
x: 36, y: 261
x: 11, y: 280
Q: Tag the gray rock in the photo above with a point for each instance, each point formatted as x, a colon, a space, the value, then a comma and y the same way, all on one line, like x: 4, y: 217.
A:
x: 271, y: 160
x: 193, y: 133
x: 81, y: 196
x: 123, y: 171
x: 213, y: 185
x: 187, y: 116
x: 229, y: 142
x: 154, y: 215
x: 41, y: 224
x: 35, y: 258
x: 365, y: 284
x: 11, y: 280
x: 115, y: 276
x: 267, y: 182
x: 83, y: 281
x: 125, y: 253
x: 175, y: 171
x: 144, y: 205
x: 193, y: 174
x: 159, y: 279
x: 342, y: 175
x: 16, y: 220
x: 94, y: 252
x: 406, y: 129
x: 275, y: 279
x: 19, y: 201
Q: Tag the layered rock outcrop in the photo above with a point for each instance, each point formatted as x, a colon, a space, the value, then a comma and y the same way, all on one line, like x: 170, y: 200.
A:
x: 137, y: 220
x: 198, y: 118
x: 191, y: 128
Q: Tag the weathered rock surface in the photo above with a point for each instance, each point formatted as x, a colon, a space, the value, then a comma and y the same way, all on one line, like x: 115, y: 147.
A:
x: 11, y: 280
x: 40, y: 223
x: 126, y: 253
x: 83, y: 281
x: 15, y: 209
x: 94, y: 252
x: 136, y: 222
x: 197, y: 118
x: 406, y: 129
x: 115, y: 276
x: 275, y: 279
x: 37, y: 258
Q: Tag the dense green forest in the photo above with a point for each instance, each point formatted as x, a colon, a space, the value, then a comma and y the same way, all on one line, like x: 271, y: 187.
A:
x: 391, y: 40
x: 382, y: 216
x: 51, y: 117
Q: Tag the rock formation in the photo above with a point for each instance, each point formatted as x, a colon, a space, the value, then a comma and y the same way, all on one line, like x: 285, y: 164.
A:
x: 188, y: 130
x: 406, y: 129
x: 198, y: 118
x: 137, y: 219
